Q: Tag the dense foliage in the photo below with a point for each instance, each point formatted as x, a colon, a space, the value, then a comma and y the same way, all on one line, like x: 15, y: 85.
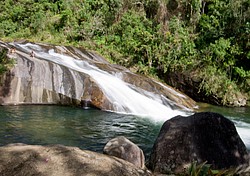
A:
x: 5, y: 62
x: 205, y: 40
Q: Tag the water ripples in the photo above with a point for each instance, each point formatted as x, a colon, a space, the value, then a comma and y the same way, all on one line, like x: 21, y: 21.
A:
x: 88, y: 129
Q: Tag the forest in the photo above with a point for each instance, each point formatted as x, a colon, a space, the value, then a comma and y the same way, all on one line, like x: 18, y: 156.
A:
x: 201, y: 47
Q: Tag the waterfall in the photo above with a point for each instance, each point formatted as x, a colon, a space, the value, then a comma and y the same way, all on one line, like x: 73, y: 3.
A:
x: 125, y: 97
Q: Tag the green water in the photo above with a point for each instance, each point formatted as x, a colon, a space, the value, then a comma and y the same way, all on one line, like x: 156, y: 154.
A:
x: 88, y: 129
x: 91, y: 129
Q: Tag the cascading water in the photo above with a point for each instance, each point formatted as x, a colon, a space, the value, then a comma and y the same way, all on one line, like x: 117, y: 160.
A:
x: 124, y: 98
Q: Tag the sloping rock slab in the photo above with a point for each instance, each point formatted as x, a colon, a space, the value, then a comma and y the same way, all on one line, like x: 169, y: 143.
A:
x: 69, y: 75
x: 21, y: 159
x: 200, y: 137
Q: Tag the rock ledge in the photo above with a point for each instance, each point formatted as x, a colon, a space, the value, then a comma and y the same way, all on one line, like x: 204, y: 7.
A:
x: 54, y: 160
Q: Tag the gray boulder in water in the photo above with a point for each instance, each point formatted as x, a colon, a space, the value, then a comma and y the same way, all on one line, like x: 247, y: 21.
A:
x: 202, y: 137
x: 123, y: 148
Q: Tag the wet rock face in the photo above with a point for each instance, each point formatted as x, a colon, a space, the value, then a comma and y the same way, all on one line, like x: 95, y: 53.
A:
x: 43, y: 77
x: 37, y: 81
x: 41, y: 82
x: 175, y: 98
x: 123, y: 148
x: 189, y: 84
x: 200, y: 137
x: 22, y: 160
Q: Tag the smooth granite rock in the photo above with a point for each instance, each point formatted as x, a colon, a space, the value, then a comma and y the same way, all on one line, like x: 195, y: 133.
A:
x: 25, y: 160
x: 52, y: 75
x: 123, y: 148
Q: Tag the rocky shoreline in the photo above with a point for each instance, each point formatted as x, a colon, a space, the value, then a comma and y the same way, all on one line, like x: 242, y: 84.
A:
x: 55, y: 160
x: 202, y: 137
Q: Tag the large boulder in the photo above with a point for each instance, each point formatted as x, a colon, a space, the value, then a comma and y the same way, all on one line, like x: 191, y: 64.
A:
x: 23, y: 160
x: 123, y: 148
x: 69, y: 75
x: 202, y: 137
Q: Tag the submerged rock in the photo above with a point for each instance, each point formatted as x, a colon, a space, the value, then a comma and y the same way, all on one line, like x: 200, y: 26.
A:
x: 202, y: 137
x: 68, y: 75
x: 58, y: 160
x: 123, y: 148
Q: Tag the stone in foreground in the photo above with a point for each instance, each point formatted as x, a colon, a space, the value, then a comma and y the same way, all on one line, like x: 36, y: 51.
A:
x: 123, y: 148
x: 23, y: 160
x: 200, y: 137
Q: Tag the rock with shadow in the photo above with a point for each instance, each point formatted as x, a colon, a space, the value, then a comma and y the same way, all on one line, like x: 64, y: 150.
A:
x: 123, y: 148
x: 25, y: 160
x: 202, y: 137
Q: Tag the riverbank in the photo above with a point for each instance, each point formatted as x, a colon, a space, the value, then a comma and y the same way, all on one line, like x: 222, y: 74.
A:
x: 23, y: 160
x: 224, y: 151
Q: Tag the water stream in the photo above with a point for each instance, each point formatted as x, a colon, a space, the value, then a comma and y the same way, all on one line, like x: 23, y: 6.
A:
x: 91, y: 129
x: 88, y: 129
x: 137, y: 116
x: 126, y: 98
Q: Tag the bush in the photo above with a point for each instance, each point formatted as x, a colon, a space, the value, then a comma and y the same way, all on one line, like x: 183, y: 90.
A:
x: 5, y: 62
x: 205, y: 169
x: 150, y: 37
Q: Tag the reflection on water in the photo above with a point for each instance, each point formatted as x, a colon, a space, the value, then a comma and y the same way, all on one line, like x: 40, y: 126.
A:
x: 91, y: 129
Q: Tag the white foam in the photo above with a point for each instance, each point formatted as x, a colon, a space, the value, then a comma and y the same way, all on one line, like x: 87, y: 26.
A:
x: 124, y: 98
x: 243, y: 130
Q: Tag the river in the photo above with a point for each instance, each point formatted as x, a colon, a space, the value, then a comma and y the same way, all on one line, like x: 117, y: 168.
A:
x: 90, y: 128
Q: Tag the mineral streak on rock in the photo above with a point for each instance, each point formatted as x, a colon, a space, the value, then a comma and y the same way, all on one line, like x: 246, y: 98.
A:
x: 54, y: 75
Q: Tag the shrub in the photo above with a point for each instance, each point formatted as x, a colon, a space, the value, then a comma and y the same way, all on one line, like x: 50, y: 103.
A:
x: 5, y: 62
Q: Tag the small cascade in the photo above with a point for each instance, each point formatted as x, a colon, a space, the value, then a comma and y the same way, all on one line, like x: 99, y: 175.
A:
x: 125, y: 98
x: 36, y: 62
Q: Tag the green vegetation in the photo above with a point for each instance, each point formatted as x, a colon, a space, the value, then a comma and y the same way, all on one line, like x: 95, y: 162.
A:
x: 5, y: 62
x: 205, y: 169
x: 204, y: 41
